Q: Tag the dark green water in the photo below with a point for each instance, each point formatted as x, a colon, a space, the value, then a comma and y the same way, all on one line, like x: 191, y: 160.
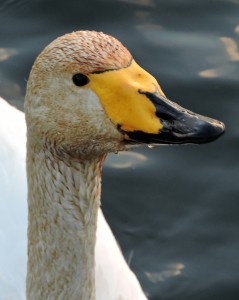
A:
x: 174, y: 210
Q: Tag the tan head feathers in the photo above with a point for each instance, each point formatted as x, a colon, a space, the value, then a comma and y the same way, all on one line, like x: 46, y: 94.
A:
x: 87, y: 51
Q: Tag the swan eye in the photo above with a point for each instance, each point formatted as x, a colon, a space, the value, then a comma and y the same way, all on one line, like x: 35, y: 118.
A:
x: 80, y: 79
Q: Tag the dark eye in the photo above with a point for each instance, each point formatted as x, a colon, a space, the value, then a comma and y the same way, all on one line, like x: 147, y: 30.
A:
x: 80, y: 79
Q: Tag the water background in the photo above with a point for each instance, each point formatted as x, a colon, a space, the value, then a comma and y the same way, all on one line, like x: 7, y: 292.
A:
x: 174, y: 210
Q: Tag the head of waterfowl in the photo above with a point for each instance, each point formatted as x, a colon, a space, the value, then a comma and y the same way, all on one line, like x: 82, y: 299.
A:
x: 87, y: 96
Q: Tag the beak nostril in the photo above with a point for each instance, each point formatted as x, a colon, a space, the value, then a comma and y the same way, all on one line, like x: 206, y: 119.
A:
x: 165, y: 117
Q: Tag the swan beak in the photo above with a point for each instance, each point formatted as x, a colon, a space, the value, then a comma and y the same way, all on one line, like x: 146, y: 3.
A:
x: 136, y: 105
x: 180, y: 126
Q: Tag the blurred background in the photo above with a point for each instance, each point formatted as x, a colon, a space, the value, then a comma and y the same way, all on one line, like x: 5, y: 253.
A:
x: 174, y: 210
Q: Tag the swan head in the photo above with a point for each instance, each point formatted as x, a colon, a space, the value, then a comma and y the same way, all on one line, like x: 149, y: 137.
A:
x: 86, y: 96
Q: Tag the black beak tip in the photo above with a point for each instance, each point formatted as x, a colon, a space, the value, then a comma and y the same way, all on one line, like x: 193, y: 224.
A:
x: 208, y: 130
x: 179, y: 126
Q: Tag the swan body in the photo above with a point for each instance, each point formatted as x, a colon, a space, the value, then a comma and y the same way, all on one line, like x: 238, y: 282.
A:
x: 114, y: 279
x: 13, y: 203
x: 86, y: 97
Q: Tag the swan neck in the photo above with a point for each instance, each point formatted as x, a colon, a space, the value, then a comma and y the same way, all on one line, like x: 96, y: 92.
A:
x: 63, y: 202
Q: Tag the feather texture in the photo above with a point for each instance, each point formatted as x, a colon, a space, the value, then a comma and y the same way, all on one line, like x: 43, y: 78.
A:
x: 114, y: 279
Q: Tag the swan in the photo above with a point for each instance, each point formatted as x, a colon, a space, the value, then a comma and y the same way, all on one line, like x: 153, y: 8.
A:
x: 86, y: 97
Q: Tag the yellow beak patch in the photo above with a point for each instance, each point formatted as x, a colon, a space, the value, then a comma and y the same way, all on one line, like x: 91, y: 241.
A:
x: 118, y: 91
